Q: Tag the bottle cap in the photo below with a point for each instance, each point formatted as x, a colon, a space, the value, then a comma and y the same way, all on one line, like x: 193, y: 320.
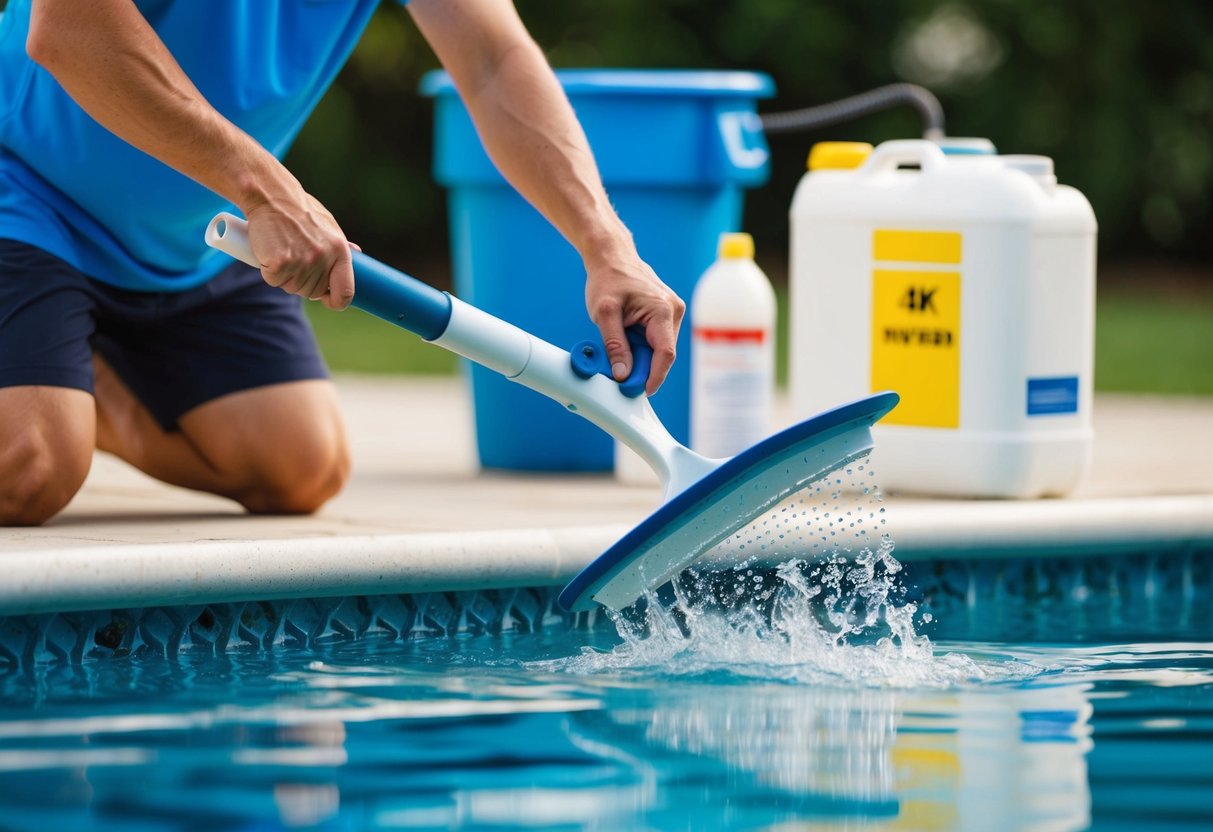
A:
x: 966, y: 146
x: 736, y: 246
x: 838, y: 155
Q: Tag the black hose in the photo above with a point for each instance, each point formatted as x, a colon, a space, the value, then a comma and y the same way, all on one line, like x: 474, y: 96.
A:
x: 856, y: 106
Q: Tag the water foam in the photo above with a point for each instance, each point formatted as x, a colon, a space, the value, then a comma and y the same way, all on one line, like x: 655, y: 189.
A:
x: 816, y: 597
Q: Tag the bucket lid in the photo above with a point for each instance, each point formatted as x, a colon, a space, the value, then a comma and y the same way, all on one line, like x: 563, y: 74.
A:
x: 682, y: 82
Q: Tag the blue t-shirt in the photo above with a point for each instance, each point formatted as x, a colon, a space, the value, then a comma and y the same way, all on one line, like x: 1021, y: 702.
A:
x: 72, y: 188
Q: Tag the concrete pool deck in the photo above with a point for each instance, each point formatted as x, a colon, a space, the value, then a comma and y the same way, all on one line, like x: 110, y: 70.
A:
x: 418, y: 515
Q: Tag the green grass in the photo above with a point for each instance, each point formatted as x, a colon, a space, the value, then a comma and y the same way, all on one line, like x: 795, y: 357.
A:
x: 355, y: 342
x: 1144, y: 343
x: 1148, y: 343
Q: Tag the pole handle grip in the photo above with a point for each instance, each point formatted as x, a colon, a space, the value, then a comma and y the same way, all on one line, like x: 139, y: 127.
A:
x: 384, y: 292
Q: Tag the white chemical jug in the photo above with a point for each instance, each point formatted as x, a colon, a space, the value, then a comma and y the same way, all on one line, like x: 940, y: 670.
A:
x: 967, y: 284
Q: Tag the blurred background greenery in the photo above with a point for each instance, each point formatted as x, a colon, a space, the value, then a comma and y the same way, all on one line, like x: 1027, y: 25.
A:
x: 1119, y: 94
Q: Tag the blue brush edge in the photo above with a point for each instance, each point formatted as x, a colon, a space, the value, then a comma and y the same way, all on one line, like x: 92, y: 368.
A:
x: 870, y: 409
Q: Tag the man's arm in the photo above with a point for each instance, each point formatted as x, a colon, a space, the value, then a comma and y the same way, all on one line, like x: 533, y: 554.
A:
x: 532, y: 134
x: 107, y: 57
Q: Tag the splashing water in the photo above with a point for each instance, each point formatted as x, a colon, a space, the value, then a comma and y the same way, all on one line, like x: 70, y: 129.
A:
x: 815, y: 598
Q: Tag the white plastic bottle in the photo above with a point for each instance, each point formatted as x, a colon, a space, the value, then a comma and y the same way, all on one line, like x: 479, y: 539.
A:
x: 732, y: 352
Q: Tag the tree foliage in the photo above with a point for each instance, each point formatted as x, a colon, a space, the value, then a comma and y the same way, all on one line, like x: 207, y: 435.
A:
x: 1120, y: 95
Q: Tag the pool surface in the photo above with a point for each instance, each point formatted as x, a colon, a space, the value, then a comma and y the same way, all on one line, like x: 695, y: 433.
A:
x: 1007, y: 695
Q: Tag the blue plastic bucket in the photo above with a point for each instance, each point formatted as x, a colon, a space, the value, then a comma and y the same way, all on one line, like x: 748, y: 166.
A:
x: 675, y: 149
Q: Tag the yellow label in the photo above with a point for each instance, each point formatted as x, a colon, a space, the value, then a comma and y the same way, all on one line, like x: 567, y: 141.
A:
x: 917, y: 246
x: 916, y: 345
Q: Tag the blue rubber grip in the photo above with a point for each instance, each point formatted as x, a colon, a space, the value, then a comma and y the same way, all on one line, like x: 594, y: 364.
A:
x: 399, y: 299
x: 642, y: 361
x: 589, y: 358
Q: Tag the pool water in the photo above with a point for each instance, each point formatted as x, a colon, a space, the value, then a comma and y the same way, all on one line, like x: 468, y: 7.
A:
x: 792, y: 709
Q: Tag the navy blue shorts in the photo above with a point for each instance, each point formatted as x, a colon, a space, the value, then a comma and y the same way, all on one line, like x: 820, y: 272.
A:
x: 174, y: 350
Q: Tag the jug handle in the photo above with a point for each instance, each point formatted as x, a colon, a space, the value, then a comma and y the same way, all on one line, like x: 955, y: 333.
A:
x: 890, y: 155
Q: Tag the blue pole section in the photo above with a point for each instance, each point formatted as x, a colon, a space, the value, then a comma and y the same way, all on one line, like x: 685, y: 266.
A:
x: 399, y: 299
x: 380, y: 290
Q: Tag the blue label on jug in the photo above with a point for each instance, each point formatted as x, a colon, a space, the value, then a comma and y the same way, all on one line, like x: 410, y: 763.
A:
x: 1048, y: 396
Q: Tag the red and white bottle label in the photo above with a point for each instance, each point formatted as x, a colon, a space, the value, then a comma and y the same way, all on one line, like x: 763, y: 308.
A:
x: 732, y: 380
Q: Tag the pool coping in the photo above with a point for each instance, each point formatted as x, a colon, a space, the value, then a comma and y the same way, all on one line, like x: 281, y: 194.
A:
x: 202, y: 572
x: 129, y: 542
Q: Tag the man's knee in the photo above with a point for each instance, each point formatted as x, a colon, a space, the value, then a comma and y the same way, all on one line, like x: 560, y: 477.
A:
x: 46, y: 448
x: 299, y: 477
x: 38, y: 479
x: 276, y: 450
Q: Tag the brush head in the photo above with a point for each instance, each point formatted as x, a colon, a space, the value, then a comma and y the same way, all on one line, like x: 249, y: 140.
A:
x: 691, y: 522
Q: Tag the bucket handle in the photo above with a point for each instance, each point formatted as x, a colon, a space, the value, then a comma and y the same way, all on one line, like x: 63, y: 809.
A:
x: 745, y: 144
x: 890, y: 155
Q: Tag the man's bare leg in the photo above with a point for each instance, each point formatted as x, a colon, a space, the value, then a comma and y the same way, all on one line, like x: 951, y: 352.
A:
x: 279, y: 449
x: 46, y: 448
